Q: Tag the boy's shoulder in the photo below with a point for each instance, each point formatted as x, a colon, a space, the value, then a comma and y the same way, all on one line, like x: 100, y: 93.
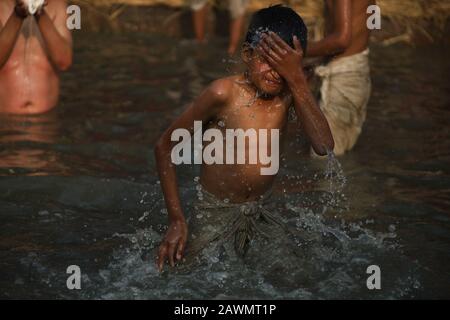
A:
x: 223, y: 88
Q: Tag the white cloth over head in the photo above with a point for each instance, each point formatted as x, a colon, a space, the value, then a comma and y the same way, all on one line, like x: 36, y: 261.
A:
x: 34, y: 5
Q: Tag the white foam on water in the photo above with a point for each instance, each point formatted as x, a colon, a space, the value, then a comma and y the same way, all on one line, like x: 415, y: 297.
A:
x: 338, y: 269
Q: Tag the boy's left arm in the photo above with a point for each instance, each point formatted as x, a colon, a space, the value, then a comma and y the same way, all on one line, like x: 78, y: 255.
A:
x: 288, y: 63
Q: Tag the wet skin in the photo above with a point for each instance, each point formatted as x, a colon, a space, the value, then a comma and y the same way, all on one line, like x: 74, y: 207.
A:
x: 33, y: 50
x: 275, y: 77
x: 244, y: 182
x: 346, y: 29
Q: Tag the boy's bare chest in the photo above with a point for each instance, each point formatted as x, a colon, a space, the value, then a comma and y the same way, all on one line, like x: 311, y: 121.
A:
x: 256, y: 115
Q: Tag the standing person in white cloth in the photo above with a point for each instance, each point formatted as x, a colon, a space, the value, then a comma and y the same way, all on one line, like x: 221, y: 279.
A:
x: 35, y: 46
x: 237, y: 10
x: 346, y: 84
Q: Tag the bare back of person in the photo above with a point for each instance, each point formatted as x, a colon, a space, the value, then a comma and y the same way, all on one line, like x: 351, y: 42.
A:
x: 29, y: 83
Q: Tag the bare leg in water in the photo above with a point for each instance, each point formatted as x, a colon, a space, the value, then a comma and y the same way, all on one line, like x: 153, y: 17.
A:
x: 235, y: 34
x: 199, y: 19
x: 236, y: 25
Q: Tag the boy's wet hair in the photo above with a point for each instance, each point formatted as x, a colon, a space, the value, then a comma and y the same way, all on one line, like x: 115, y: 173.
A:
x: 282, y: 20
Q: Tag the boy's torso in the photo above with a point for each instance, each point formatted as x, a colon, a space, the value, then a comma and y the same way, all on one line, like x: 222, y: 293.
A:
x: 244, y: 182
x: 360, y: 32
x: 28, y: 81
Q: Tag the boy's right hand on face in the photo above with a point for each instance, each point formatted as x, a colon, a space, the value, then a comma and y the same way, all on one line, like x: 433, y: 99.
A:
x: 173, y: 244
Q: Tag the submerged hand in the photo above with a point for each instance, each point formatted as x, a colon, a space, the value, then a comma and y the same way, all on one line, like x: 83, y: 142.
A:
x: 281, y: 57
x: 174, y: 242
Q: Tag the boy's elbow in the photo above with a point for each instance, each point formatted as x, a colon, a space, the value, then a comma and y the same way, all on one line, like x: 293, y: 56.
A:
x: 325, y: 147
x: 320, y: 150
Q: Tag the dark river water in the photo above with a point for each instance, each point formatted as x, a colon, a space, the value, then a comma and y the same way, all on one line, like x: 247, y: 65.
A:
x: 78, y: 186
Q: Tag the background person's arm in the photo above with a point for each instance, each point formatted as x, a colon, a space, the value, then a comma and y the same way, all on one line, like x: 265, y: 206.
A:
x: 203, y: 109
x: 56, y: 35
x: 340, y: 38
x: 10, y: 31
x: 288, y: 63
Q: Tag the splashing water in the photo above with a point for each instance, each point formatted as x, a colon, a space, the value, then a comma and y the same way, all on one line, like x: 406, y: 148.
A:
x: 333, y: 265
x: 337, y: 180
x: 47, y: 241
x: 257, y: 36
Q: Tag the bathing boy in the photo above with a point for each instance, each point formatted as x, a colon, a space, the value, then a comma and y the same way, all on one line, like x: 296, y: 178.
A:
x: 235, y: 180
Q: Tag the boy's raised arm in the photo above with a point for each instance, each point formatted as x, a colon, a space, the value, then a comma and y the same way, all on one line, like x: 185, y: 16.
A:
x: 288, y: 63
x: 204, y: 108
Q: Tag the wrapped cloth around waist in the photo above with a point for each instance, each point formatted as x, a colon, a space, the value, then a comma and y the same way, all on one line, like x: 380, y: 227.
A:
x: 357, y: 63
x: 219, y: 220
x: 345, y: 90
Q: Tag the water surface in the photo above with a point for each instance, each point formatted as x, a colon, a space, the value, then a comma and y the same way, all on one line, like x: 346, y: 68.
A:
x: 78, y: 186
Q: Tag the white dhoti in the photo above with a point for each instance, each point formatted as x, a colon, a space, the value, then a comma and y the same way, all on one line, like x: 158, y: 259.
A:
x: 345, y: 92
